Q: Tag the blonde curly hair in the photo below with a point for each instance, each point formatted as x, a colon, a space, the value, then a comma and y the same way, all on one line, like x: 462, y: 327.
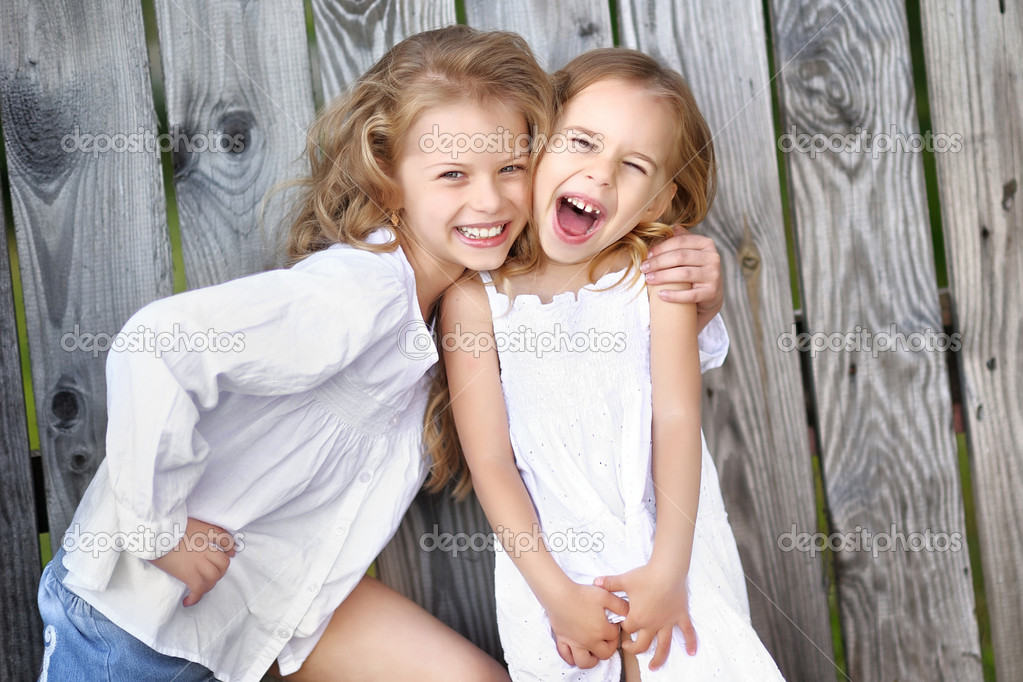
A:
x: 353, y: 146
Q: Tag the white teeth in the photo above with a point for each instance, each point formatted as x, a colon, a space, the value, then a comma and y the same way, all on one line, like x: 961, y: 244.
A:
x: 481, y: 232
x: 583, y: 206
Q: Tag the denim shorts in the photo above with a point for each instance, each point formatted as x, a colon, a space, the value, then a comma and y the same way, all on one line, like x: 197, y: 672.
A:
x: 82, y: 645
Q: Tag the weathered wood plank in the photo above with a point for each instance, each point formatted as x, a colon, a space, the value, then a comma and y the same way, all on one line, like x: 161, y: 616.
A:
x: 442, y: 558
x: 351, y: 35
x: 885, y: 417
x: 90, y: 220
x: 239, y: 101
x: 557, y: 31
x: 754, y: 416
x: 975, y: 76
x: 21, y: 647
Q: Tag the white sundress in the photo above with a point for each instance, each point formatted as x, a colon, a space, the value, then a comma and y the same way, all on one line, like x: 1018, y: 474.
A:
x: 576, y: 379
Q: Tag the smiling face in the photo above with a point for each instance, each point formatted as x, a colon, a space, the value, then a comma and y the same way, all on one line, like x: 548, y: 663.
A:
x: 464, y: 207
x: 611, y: 177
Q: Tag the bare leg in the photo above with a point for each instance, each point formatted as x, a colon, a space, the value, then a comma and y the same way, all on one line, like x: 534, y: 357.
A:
x: 377, y: 634
x: 630, y: 664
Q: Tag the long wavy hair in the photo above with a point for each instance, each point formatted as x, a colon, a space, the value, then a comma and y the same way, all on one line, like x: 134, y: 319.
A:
x: 353, y: 146
x: 691, y: 166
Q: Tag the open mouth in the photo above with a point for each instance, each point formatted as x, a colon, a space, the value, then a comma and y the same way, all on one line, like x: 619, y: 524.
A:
x: 488, y: 234
x: 578, y: 217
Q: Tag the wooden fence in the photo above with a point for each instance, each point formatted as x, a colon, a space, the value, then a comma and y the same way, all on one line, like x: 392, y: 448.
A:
x: 93, y: 246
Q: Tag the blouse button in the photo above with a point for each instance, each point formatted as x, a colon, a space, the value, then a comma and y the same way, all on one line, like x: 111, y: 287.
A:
x: 340, y: 530
x: 283, y: 633
x: 392, y: 421
x: 365, y: 477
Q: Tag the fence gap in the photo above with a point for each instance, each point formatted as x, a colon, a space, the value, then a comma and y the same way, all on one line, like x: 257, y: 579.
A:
x: 27, y: 394
x: 613, y: 9
x: 166, y: 157
x: 314, y: 56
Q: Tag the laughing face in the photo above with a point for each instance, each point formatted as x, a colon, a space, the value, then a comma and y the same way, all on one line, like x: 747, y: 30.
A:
x: 611, y: 177
x: 464, y: 191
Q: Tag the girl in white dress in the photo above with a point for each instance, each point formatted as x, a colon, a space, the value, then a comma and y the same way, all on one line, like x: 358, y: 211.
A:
x: 593, y: 475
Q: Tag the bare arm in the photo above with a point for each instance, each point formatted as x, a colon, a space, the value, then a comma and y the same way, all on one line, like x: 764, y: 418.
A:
x: 576, y: 612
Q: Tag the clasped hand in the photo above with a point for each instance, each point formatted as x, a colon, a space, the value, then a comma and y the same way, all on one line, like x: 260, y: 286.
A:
x: 658, y: 601
x: 579, y: 623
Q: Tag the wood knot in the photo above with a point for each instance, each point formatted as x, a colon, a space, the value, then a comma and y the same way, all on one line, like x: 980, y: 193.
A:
x: 984, y: 232
x: 65, y: 407
x: 1008, y: 193
x: 236, y: 131
x: 79, y: 462
x: 991, y: 364
x: 588, y: 29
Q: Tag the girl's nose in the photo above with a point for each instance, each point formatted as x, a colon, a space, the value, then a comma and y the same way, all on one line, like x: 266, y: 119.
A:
x: 486, y: 196
x: 600, y: 172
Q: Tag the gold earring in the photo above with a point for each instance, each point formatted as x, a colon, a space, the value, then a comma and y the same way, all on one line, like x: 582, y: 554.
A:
x: 394, y: 219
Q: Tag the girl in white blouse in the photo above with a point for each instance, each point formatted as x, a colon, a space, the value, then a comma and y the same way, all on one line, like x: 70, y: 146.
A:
x: 264, y: 435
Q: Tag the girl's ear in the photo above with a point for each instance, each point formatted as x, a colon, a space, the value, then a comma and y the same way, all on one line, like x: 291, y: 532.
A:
x: 662, y: 201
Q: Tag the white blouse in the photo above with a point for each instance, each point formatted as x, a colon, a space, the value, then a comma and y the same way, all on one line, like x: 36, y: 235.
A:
x: 298, y: 428
x: 301, y: 434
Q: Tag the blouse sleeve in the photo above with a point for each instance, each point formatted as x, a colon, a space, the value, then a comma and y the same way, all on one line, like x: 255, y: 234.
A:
x: 713, y: 341
x: 274, y: 333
